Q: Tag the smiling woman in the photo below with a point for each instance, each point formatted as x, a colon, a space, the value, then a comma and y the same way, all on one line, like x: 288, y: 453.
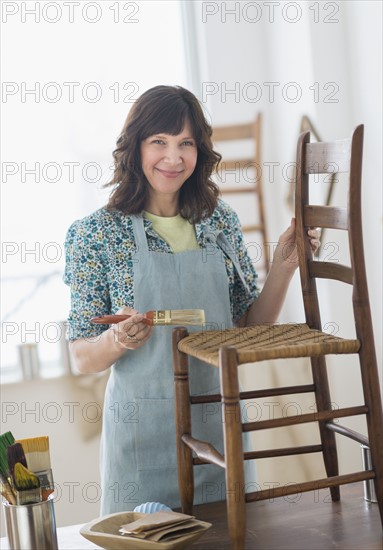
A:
x: 123, y: 259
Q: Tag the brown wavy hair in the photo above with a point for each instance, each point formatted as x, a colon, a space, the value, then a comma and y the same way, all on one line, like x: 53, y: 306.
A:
x: 164, y: 109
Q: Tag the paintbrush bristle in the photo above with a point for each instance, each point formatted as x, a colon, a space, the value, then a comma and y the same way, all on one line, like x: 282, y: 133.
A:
x: 15, y: 453
x: 176, y: 317
x: 37, y: 452
x: 24, y: 479
x: 35, y: 444
x: 188, y: 316
x: 6, y: 439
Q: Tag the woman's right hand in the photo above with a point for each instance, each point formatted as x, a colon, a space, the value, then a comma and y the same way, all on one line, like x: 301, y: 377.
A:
x: 133, y: 332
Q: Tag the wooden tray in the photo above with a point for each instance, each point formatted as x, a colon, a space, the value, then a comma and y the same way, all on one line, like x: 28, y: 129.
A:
x: 104, y: 532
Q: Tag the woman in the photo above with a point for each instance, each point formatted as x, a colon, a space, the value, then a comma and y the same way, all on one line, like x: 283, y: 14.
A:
x: 163, y: 241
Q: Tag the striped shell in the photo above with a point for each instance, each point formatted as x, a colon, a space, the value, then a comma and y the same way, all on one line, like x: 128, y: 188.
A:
x: 151, y: 507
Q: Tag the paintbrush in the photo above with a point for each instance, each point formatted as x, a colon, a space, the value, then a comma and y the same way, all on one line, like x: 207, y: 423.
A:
x: 6, y: 488
x: 160, y: 317
x: 36, y: 451
x: 7, y: 492
x: 15, y: 453
x: 6, y: 439
x: 27, y: 485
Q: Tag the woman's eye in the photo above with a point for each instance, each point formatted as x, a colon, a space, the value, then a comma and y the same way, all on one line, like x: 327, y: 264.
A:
x: 158, y: 141
x: 188, y: 143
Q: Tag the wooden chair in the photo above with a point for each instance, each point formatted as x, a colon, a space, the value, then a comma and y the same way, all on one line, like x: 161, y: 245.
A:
x: 228, y: 349
x: 254, y: 191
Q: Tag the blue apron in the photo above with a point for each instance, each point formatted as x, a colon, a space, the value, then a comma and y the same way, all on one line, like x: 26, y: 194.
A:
x: 138, y: 447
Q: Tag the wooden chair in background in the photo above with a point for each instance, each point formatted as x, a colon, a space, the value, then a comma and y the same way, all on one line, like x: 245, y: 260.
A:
x: 242, y: 165
x: 230, y: 348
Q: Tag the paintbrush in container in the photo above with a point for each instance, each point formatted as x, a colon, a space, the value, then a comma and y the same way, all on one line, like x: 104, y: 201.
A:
x: 159, y: 317
x: 36, y: 450
x: 7, y: 491
x: 15, y: 453
x: 6, y: 439
x: 6, y: 483
x: 27, y: 485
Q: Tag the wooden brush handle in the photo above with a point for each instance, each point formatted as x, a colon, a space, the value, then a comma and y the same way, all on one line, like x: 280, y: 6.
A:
x: 113, y: 319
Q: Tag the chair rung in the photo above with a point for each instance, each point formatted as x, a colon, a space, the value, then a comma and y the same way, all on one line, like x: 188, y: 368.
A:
x: 212, y: 398
x: 254, y: 227
x: 230, y: 165
x: 343, y: 430
x: 271, y: 392
x: 255, y: 394
x: 239, y: 131
x: 283, y: 452
x: 305, y: 486
x: 204, y: 451
x: 303, y: 418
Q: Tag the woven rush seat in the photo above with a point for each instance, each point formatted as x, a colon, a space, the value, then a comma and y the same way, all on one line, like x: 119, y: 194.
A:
x: 262, y: 342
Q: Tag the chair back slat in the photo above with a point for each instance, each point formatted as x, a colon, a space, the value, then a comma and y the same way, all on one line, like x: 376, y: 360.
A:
x: 330, y: 270
x: 331, y: 217
x: 327, y: 158
x: 227, y: 133
x: 239, y: 164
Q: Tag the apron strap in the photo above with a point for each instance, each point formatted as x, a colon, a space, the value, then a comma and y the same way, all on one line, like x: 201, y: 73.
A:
x: 227, y: 248
x: 139, y: 233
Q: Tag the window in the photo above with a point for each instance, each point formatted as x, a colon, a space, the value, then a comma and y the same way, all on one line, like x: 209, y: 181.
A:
x: 71, y: 71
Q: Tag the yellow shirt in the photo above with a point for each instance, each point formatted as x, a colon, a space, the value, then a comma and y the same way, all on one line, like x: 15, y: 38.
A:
x: 175, y: 230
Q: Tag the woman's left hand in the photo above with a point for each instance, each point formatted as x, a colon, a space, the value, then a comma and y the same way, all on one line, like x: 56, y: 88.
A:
x: 286, y: 254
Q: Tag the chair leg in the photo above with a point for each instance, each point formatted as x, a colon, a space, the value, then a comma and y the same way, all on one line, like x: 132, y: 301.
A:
x: 373, y: 400
x: 323, y: 403
x: 377, y: 464
x: 235, y: 478
x: 183, y: 423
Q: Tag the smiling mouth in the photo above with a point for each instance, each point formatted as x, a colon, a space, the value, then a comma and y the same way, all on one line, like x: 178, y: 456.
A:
x: 170, y: 173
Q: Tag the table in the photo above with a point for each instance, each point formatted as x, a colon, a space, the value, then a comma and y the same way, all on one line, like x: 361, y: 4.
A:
x: 298, y: 522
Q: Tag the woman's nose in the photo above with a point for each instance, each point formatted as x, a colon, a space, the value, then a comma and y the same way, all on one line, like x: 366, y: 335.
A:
x: 173, y: 155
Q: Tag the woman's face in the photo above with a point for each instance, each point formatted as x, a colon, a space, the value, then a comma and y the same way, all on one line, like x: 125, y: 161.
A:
x: 168, y: 161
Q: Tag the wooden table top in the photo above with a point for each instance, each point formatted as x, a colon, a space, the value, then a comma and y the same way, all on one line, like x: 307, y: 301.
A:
x: 309, y: 520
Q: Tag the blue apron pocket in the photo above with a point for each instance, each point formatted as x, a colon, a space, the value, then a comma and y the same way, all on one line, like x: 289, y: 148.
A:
x: 156, y: 434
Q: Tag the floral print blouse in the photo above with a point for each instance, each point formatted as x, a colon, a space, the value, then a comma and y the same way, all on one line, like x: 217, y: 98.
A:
x: 99, y: 253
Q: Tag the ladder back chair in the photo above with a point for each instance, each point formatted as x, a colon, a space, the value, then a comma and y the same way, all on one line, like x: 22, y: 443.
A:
x: 227, y: 349
x: 240, y: 164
